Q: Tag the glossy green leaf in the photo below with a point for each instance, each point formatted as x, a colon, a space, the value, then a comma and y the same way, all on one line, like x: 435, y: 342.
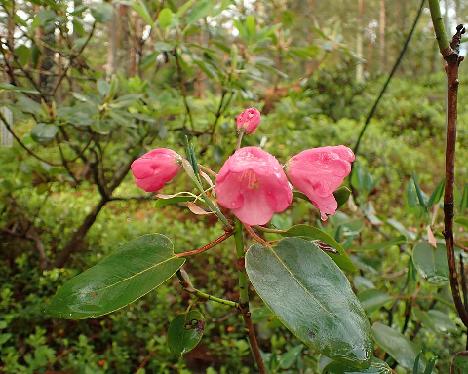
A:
x: 396, y: 345
x: 377, y: 366
x: 313, y: 233
x: 43, y: 133
x: 373, y: 299
x: 130, y: 272
x: 342, y: 195
x: 431, y: 262
x: 165, y: 18
x: 185, y: 332
x: 312, y: 298
x: 460, y: 363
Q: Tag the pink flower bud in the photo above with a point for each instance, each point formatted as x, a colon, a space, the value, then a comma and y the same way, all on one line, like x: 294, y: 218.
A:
x: 318, y: 172
x: 253, y: 185
x: 155, y: 168
x: 248, y: 120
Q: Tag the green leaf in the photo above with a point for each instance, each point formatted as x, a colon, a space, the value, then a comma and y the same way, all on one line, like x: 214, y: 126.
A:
x: 288, y: 359
x: 185, y: 332
x: 462, y: 221
x: 460, y: 363
x: 312, y: 298
x: 43, y: 133
x: 103, y: 87
x: 163, y: 47
x: 420, y: 195
x: 396, y: 345
x: 431, y: 364
x: 342, y: 195
x: 140, y: 8
x: 431, y: 262
x: 132, y: 271
x: 165, y: 18
x: 372, y: 299
x: 310, y: 232
x: 202, y: 9
x: 436, y: 194
x: 11, y: 88
x: 102, y: 12
x: 377, y: 366
x: 436, y: 320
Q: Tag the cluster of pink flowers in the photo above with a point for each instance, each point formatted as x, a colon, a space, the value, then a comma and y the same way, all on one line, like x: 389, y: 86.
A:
x: 252, y: 184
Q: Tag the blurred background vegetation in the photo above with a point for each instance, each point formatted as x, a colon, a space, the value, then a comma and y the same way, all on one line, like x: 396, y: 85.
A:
x: 88, y: 86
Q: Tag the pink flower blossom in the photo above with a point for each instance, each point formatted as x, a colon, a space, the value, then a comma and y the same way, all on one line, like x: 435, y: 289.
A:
x: 253, y: 185
x: 248, y: 120
x: 318, y: 172
x: 155, y: 168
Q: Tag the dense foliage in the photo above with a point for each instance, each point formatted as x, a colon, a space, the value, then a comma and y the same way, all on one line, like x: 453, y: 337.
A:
x: 92, y: 85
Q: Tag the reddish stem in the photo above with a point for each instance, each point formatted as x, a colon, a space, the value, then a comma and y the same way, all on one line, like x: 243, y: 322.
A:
x: 196, y: 251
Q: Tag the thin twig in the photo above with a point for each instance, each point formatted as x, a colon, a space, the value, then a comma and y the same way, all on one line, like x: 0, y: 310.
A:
x: 210, y: 245
x: 22, y: 145
x: 255, y: 237
x: 187, y: 285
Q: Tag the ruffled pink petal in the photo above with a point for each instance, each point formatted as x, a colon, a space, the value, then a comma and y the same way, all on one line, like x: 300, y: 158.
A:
x: 318, y: 172
x: 253, y: 185
x: 256, y: 208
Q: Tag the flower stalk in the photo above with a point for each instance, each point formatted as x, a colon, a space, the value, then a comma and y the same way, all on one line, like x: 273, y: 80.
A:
x: 244, y: 307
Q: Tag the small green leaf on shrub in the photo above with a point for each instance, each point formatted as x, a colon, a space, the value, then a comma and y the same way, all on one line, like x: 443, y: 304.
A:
x: 342, y: 195
x: 165, y: 18
x: 43, y: 133
x: 437, y: 194
x: 185, y: 332
x: 312, y: 298
x: 377, y: 366
x: 431, y: 262
x: 372, y: 299
x: 396, y: 345
x: 132, y: 271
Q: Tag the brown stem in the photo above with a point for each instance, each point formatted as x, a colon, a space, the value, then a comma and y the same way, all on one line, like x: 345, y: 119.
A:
x: 253, y: 339
x: 255, y: 237
x: 215, y: 242
x: 453, y: 60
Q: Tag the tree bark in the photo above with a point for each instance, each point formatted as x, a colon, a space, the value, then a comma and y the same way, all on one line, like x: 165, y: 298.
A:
x: 382, y: 51
x: 359, y: 42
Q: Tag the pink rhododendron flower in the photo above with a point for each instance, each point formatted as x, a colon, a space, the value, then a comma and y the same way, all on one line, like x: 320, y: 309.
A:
x: 248, y: 120
x: 253, y: 185
x: 318, y: 172
x: 155, y: 168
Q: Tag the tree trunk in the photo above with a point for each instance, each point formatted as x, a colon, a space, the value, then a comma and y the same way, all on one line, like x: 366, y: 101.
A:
x: 382, y: 51
x: 47, y: 61
x: 359, y: 42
